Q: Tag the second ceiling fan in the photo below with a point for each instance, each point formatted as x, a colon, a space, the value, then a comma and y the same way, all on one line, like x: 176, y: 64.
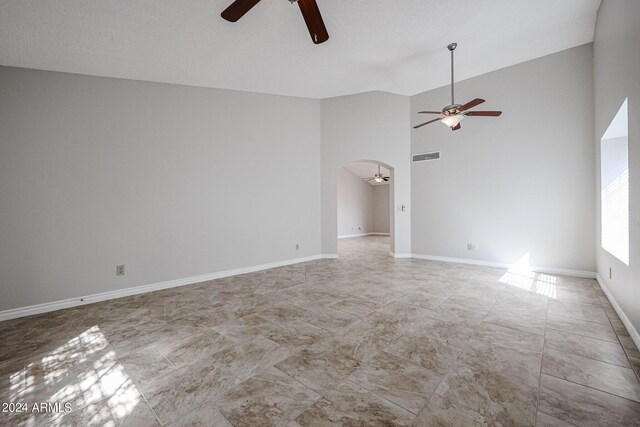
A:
x: 452, y: 114
x: 309, y: 9
x: 378, y: 177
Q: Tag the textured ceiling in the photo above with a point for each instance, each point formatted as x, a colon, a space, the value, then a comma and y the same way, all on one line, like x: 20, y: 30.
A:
x: 366, y: 170
x: 395, y: 46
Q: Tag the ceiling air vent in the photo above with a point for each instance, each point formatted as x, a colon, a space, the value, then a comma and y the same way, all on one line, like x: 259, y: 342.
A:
x: 423, y: 157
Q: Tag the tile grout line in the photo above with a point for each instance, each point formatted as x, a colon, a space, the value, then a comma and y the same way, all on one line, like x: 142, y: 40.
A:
x: 378, y: 396
x: 581, y: 320
x: 149, y: 405
x: 443, y: 376
x: 593, y: 388
x: 306, y: 387
x: 544, y: 340
x: 637, y: 374
x: 586, y: 357
x: 587, y: 336
x: 512, y: 328
x: 449, y: 371
x: 617, y: 341
x: 348, y: 378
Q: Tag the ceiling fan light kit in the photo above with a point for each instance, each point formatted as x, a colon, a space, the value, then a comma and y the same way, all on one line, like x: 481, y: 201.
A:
x: 452, y: 114
x: 309, y: 9
x: 378, y: 177
x: 452, y: 121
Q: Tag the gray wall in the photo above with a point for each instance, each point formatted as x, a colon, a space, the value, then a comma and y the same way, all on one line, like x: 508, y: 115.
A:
x: 355, y: 205
x: 521, y: 183
x: 372, y: 126
x: 381, y: 208
x: 616, y: 77
x: 171, y: 181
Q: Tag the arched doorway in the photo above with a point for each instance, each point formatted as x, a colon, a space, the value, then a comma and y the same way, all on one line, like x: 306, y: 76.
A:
x: 364, y: 208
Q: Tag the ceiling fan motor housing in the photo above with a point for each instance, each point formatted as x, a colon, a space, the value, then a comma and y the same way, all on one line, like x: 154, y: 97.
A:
x: 451, y: 110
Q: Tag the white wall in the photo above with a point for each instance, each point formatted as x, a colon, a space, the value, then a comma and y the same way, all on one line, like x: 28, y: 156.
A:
x: 616, y: 77
x: 355, y: 205
x: 367, y: 126
x: 517, y: 184
x: 381, y: 208
x: 171, y: 181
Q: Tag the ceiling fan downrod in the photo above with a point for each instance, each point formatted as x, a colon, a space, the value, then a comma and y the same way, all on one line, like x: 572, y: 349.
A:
x: 451, y: 48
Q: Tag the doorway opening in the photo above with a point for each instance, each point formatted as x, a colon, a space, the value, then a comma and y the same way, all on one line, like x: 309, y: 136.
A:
x: 364, y: 209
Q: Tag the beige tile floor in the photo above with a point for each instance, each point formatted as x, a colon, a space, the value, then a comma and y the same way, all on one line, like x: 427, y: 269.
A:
x: 362, y: 340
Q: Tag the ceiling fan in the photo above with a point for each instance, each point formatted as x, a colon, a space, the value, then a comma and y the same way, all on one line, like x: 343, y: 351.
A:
x: 452, y: 115
x: 379, y: 177
x: 309, y: 9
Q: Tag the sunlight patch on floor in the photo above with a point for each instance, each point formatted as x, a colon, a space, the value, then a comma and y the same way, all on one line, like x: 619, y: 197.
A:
x: 83, y: 371
x: 520, y: 276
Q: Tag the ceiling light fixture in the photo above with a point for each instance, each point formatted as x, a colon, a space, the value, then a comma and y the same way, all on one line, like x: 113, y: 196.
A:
x: 452, y: 121
x: 378, y: 177
x: 452, y: 114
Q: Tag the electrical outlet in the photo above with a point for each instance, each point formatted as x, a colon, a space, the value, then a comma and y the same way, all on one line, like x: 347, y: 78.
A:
x: 297, y: 246
x: 120, y: 270
x: 471, y: 247
x: 360, y: 228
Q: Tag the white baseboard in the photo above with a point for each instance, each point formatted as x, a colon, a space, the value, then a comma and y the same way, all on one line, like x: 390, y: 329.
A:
x: 623, y: 317
x: 548, y: 270
x: 399, y: 256
x: 347, y: 236
x: 104, y: 296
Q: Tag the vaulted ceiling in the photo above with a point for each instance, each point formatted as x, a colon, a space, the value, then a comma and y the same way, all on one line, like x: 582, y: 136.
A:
x: 396, y: 46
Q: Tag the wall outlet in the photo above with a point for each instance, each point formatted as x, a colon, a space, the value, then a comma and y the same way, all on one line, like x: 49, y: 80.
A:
x: 297, y: 246
x: 471, y: 247
x: 120, y: 270
x: 360, y: 228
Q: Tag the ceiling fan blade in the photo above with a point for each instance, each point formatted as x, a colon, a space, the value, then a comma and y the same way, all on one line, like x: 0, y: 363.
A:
x: 484, y: 113
x: 386, y: 178
x: 456, y: 127
x: 471, y: 104
x: 426, y: 123
x: 238, y: 9
x: 313, y: 18
x: 429, y: 112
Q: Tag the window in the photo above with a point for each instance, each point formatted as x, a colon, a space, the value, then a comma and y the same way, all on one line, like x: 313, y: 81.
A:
x: 614, y: 182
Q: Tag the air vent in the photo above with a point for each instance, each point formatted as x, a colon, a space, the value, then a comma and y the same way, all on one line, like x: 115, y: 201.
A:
x: 423, y: 157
